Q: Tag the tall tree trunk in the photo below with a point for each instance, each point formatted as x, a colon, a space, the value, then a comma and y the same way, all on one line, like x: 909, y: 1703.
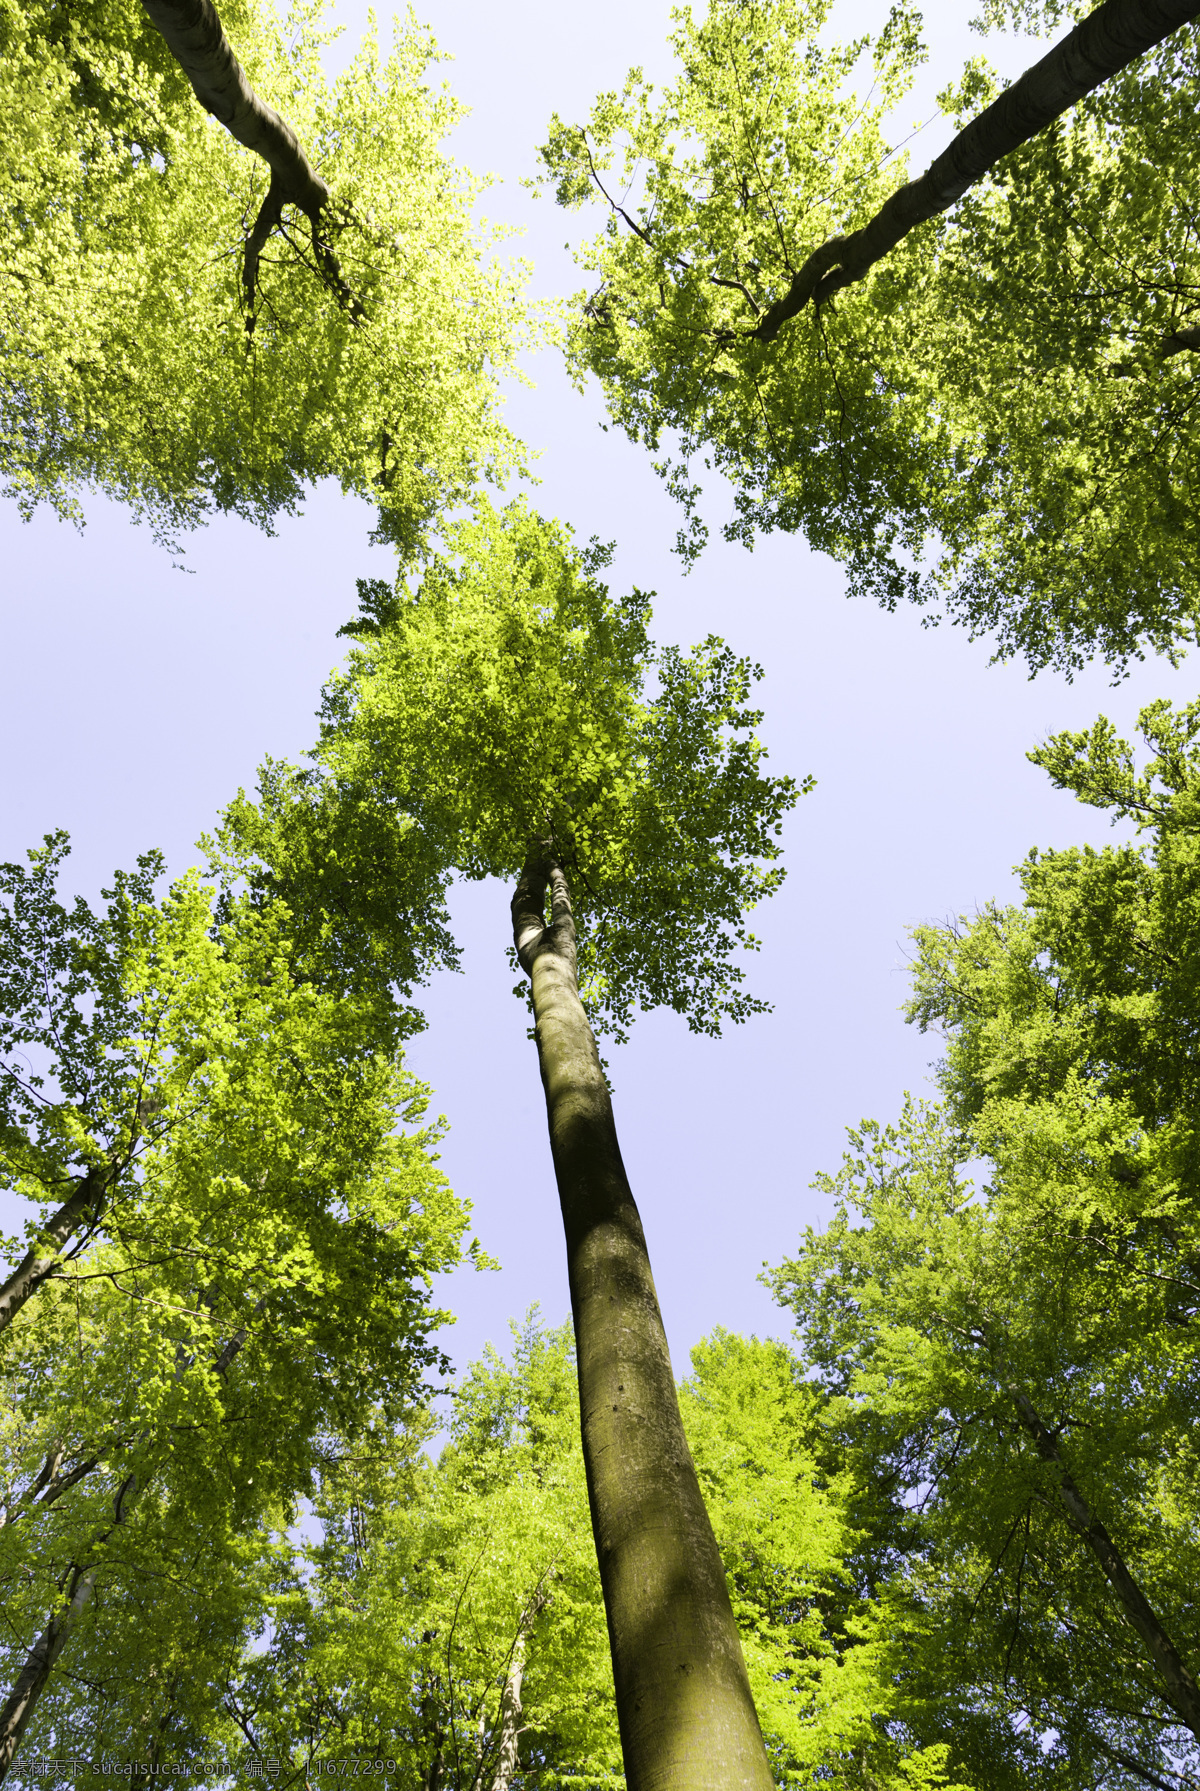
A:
x: 85, y: 1205
x: 686, y: 1716
x: 1102, y: 44
x: 1178, y: 1682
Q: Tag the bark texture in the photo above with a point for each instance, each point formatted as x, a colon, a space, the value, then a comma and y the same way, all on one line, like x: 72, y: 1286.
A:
x: 1179, y: 1684
x: 85, y: 1206
x: 686, y: 1715
x: 1102, y: 44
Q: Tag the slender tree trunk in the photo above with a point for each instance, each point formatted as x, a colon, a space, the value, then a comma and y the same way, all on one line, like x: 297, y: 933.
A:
x: 507, y: 1761
x: 86, y: 1203
x: 686, y: 1716
x: 1102, y: 44
x: 1179, y: 1685
x: 23, y: 1699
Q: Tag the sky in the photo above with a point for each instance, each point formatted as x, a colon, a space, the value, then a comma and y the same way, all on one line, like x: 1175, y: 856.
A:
x: 138, y: 699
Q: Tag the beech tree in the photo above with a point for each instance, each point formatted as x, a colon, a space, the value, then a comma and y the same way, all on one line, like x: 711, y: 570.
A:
x: 450, y: 1620
x: 498, y: 712
x: 240, y: 1271
x: 974, y: 409
x: 194, y: 321
x: 1029, y: 1359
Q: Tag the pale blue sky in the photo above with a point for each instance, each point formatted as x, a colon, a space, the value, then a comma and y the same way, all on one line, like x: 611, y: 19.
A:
x: 138, y: 699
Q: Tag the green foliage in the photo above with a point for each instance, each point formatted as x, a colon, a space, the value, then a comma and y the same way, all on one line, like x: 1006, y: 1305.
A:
x: 1071, y: 1283
x: 126, y: 365
x: 433, y: 1588
x: 503, y: 701
x: 985, y: 423
x: 254, y: 1296
x: 395, y: 1635
x: 828, y: 1651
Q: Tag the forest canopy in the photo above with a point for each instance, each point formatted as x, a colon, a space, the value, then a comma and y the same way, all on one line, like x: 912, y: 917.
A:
x: 134, y: 362
x: 251, y: 1524
x: 986, y: 420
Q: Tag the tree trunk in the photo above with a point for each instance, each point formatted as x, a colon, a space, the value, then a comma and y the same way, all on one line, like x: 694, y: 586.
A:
x: 23, y: 1699
x: 507, y: 1760
x: 686, y: 1716
x: 1102, y: 44
x: 1179, y: 1685
x: 87, y: 1202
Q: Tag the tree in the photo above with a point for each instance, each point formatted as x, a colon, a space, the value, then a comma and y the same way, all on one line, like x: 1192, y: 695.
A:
x: 1034, y: 1445
x: 981, y: 420
x: 498, y: 712
x: 450, y: 1617
x: 177, y: 334
x: 246, y: 1276
x: 830, y: 1642
x: 1028, y: 1361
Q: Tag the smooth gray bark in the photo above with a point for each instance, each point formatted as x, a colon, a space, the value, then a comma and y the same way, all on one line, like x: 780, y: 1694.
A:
x: 196, y: 38
x: 1099, y: 47
x: 508, y: 1759
x: 1179, y: 1685
x: 684, y: 1707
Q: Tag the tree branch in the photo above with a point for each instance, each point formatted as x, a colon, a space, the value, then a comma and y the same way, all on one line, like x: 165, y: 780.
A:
x: 1100, y: 46
x: 197, y: 40
x: 1135, y: 1767
x: 1179, y: 1685
x: 37, y: 1265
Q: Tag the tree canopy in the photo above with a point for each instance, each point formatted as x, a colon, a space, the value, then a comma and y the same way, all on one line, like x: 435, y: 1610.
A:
x: 988, y: 418
x: 503, y: 699
x: 1019, y: 1368
x: 245, y: 1283
x: 447, y: 1615
x: 130, y: 360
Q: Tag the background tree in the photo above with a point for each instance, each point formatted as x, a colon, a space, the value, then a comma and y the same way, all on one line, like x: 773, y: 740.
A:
x: 435, y: 1589
x: 982, y: 421
x: 247, y: 1279
x: 450, y: 1616
x: 1026, y: 1365
x: 500, y: 704
x: 137, y: 361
